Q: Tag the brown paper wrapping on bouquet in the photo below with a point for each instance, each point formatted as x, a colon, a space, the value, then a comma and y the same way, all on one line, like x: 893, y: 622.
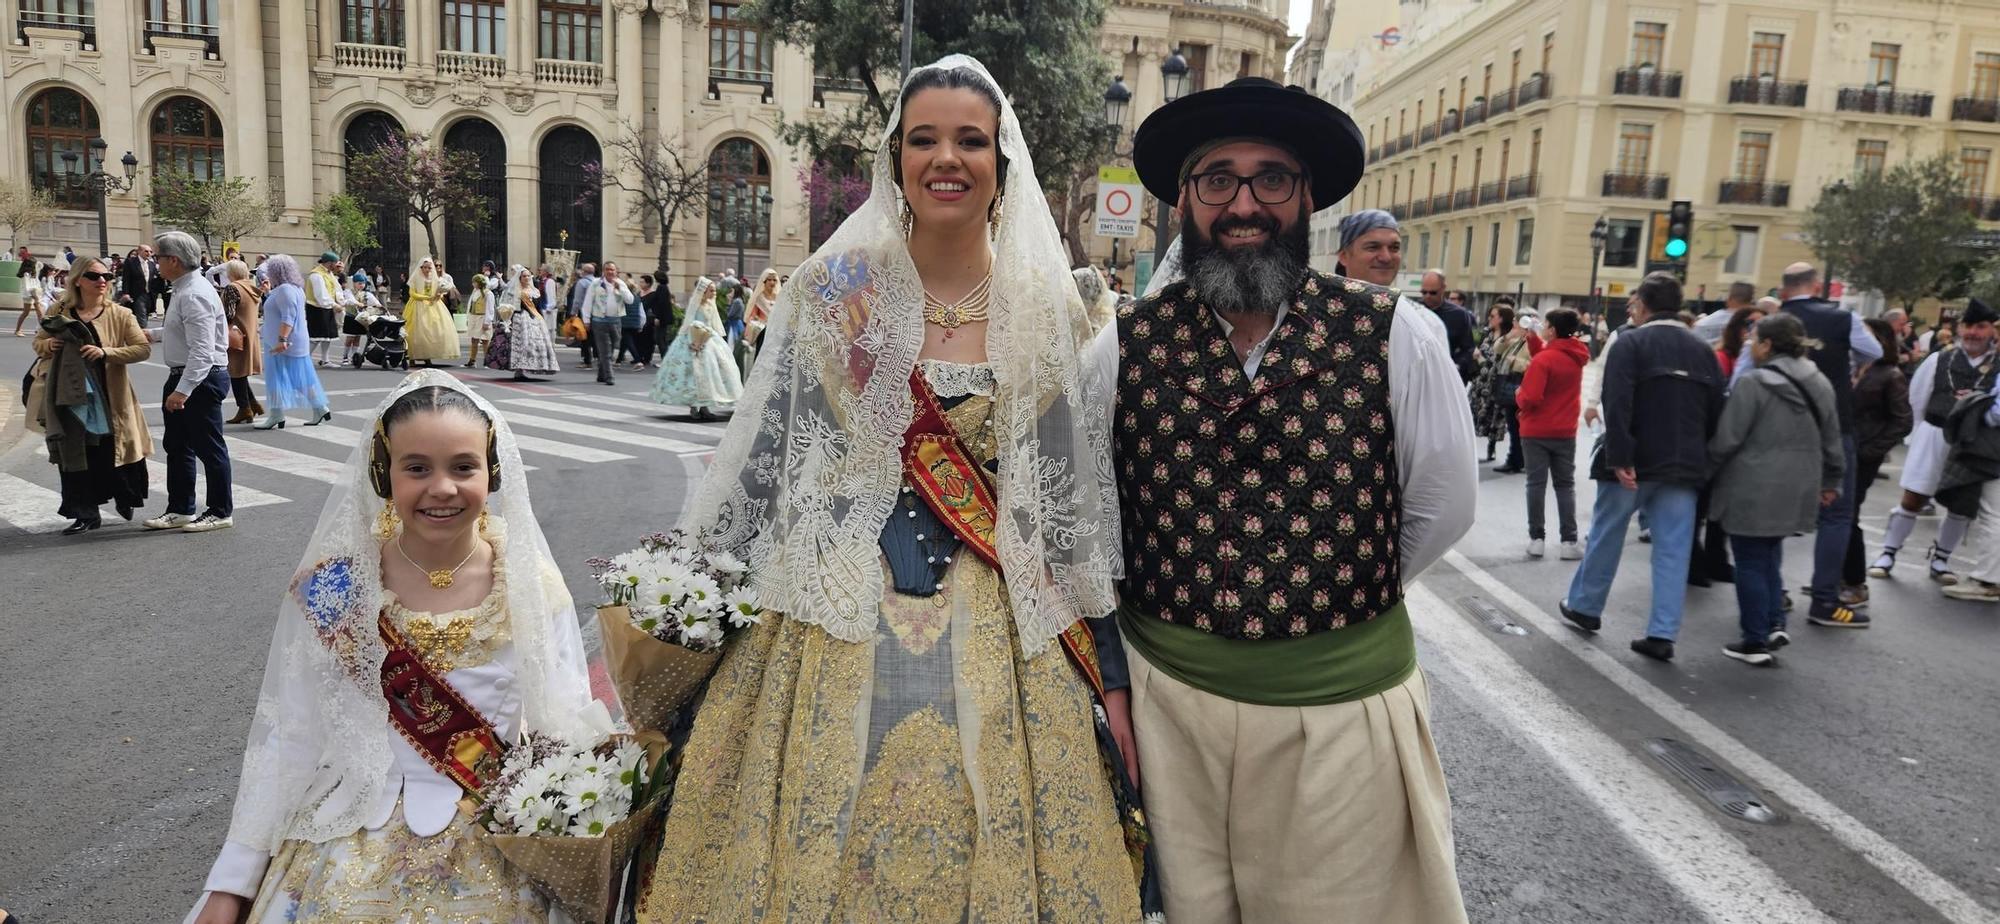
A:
x: 581, y: 874
x: 654, y: 678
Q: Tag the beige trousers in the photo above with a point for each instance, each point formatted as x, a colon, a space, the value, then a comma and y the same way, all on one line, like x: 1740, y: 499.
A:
x: 1284, y: 815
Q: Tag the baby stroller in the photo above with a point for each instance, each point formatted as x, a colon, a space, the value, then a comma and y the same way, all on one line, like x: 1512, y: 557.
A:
x: 385, y: 344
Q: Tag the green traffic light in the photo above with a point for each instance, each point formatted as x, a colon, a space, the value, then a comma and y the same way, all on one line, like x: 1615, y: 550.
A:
x: 1676, y: 248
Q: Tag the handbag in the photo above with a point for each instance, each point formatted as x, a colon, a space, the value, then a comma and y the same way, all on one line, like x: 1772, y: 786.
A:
x: 575, y: 329
x: 236, y: 339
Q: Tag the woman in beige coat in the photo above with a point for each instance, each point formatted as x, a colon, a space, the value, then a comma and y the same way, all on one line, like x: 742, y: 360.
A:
x: 87, y: 342
x: 240, y: 301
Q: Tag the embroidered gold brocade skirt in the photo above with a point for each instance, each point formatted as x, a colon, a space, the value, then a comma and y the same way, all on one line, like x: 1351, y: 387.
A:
x: 392, y: 874
x: 931, y: 775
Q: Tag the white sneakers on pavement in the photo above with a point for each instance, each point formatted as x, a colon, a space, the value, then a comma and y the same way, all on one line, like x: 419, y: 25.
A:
x: 169, y: 521
x: 1572, y: 551
x: 1537, y: 548
x: 207, y: 522
x: 1976, y: 591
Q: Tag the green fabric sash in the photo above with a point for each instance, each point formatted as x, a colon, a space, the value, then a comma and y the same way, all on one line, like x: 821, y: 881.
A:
x: 1336, y: 666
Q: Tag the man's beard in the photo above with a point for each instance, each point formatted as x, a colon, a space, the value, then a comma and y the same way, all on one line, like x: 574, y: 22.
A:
x: 1245, y: 279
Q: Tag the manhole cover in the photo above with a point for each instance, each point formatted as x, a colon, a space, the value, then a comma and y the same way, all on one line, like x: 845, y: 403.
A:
x: 1491, y: 615
x: 1715, y: 784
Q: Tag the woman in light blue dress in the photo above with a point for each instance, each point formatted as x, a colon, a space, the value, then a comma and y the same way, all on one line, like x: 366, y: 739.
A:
x: 290, y: 381
x: 698, y: 371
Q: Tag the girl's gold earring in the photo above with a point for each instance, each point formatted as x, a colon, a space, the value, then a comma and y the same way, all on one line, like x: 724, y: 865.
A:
x: 993, y: 220
x: 909, y: 219
x: 482, y: 522
x: 387, y: 523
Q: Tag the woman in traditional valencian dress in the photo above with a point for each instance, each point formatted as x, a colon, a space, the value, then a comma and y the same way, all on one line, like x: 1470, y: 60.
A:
x: 698, y: 371
x: 907, y: 736
x: 529, y: 350
x: 433, y: 338
x: 428, y: 559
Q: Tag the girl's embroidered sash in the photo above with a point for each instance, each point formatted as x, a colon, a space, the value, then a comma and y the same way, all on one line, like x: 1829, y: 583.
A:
x: 450, y: 735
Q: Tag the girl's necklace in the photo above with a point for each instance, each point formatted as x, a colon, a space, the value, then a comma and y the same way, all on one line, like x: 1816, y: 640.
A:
x: 967, y: 310
x: 440, y: 579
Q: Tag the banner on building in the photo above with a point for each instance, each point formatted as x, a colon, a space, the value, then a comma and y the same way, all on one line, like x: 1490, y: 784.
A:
x: 1120, y: 198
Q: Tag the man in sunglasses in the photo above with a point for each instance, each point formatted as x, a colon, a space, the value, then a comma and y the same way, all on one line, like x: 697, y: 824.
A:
x: 1291, y: 448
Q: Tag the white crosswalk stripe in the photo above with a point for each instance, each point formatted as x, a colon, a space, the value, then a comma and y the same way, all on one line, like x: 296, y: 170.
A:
x: 607, y: 434
x: 32, y: 507
x: 637, y: 413
x: 347, y: 438
x: 649, y: 410
x: 264, y: 455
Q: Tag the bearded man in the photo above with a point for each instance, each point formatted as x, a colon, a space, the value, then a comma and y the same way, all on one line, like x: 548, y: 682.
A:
x: 1291, y: 448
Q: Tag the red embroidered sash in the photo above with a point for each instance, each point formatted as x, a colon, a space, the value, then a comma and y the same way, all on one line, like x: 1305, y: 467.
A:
x: 957, y: 488
x: 451, y: 735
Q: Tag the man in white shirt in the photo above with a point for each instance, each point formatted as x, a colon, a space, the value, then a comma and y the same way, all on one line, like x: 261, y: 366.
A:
x: 1291, y: 448
x: 195, y: 345
x: 603, y: 305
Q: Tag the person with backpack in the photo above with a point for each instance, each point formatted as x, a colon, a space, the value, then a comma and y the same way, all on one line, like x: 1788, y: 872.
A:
x: 1780, y: 421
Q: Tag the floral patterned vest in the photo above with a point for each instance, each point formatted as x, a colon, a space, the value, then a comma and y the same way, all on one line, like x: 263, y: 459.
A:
x: 1259, y: 507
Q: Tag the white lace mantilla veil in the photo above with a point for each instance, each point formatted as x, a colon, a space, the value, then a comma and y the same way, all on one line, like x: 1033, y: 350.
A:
x: 322, y: 689
x: 810, y: 467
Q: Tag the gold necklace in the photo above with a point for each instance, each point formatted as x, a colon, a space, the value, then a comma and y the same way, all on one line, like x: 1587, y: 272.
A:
x: 440, y: 579
x: 964, y: 311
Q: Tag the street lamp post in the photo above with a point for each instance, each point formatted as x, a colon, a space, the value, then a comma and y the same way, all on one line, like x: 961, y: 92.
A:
x: 1175, y: 72
x: 1598, y: 233
x: 1837, y: 190
x: 739, y: 219
x: 93, y: 178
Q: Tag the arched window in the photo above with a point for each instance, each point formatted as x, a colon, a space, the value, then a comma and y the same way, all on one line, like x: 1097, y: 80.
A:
x: 739, y: 158
x: 187, y: 136
x: 570, y: 202
x: 59, y: 119
x: 392, y: 225
x: 465, y: 248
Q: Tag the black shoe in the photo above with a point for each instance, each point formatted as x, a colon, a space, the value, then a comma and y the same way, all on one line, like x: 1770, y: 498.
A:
x: 125, y: 511
x: 1509, y: 470
x: 1778, y: 638
x: 1698, y: 579
x: 1658, y: 649
x: 1586, y: 623
x: 81, y: 526
x: 1836, y: 617
x: 1750, y: 653
x: 1722, y: 574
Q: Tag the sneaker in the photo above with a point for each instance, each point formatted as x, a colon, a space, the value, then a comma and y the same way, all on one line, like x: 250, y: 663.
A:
x: 1750, y: 653
x: 1854, y: 595
x: 169, y: 521
x: 1883, y: 564
x: 1778, y: 638
x: 207, y: 522
x: 1586, y: 623
x: 1571, y: 551
x: 1837, y: 617
x: 1976, y: 591
x: 1537, y: 548
x: 1646, y: 535
x: 1659, y: 649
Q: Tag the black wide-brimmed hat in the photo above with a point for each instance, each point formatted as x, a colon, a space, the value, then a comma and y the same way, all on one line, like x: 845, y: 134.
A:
x: 1325, y: 140
x: 1977, y: 311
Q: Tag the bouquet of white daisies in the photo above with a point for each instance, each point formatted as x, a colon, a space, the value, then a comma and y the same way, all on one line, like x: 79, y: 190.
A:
x: 671, y: 606
x: 569, y: 816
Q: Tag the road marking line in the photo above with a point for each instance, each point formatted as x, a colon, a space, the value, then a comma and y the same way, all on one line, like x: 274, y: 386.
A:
x: 1936, y: 891
x: 32, y: 508
x: 156, y: 482
x: 276, y: 459
x: 345, y: 392
x: 639, y: 413
x: 348, y: 438
x: 604, y: 433
x: 1708, y: 865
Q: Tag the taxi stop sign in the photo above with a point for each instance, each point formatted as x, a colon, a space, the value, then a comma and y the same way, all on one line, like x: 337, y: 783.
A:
x: 1119, y: 198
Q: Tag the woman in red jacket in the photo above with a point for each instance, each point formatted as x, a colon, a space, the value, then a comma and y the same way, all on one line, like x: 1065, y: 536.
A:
x: 1549, y: 400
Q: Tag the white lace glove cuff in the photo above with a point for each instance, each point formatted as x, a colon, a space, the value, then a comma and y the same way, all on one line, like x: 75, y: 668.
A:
x: 239, y: 870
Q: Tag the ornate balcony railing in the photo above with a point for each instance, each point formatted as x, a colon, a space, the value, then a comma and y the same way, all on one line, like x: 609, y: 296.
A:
x: 1884, y: 101
x: 1532, y: 90
x: 1440, y: 203
x: 1420, y: 207
x: 466, y: 62
x: 1500, y: 103
x: 1525, y: 186
x: 1450, y: 122
x: 1428, y: 133
x: 368, y: 57
x: 1754, y: 192
x: 1474, y: 114
x: 1406, y: 142
x: 208, y: 34
x: 1635, y: 185
x: 1645, y: 81
x: 1975, y: 109
x: 1491, y: 192
x: 1767, y: 91
x: 85, y: 23
x: 1462, y: 199
x: 1399, y: 211
x: 569, y: 73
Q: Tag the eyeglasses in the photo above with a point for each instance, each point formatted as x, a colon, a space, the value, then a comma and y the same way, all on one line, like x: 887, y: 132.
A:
x: 95, y: 277
x: 1218, y: 187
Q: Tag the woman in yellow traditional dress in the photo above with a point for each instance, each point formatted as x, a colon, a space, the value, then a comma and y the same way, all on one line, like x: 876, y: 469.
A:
x: 433, y: 337
x: 924, y: 498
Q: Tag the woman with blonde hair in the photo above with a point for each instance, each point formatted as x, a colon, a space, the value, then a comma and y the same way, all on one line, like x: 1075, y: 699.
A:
x: 241, y: 303
x: 433, y: 338
x: 82, y: 399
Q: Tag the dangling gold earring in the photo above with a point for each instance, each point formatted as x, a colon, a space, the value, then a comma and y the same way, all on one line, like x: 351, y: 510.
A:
x: 909, y: 219
x: 387, y: 523
x: 993, y: 220
x: 482, y: 523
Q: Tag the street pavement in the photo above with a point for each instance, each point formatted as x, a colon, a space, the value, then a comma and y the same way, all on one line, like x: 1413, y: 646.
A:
x: 130, y: 662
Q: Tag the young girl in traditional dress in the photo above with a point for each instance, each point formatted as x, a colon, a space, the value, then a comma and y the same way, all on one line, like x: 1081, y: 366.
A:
x: 479, y: 306
x: 433, y: 338
x: 698, y: 371
x: 427, y: 581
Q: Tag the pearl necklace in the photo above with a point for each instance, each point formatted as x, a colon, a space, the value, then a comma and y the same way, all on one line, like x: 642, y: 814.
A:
x: 966, y: 310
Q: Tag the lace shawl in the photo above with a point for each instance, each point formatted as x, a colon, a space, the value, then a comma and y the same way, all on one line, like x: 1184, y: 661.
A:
x: 810, y: 466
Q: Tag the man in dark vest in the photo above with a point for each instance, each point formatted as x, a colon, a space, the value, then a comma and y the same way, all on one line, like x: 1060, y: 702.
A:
x: 1291, y: 448
x: 1968, y: 485
x: 1844, y: 344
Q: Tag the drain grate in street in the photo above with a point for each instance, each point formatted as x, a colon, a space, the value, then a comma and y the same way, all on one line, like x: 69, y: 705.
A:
x: 1491, y: 615
x: 1715, y: 784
